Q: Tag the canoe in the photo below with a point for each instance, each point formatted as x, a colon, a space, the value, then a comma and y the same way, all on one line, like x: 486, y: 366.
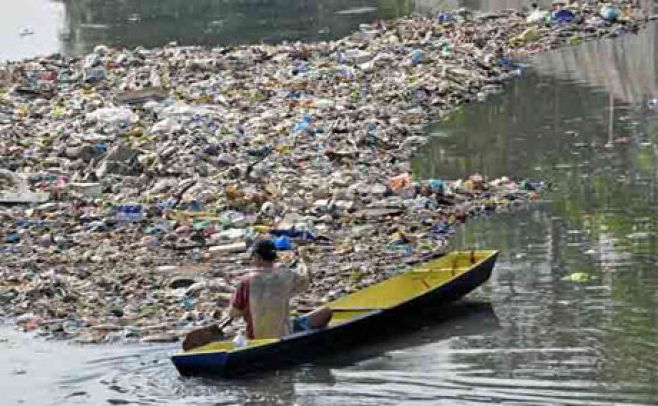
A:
x: 356, y: 319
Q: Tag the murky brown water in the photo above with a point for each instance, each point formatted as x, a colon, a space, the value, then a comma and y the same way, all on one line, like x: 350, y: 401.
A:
x: 579, y: 118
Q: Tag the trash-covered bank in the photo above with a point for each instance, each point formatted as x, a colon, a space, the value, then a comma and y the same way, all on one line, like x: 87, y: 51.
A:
x: 133, y: 181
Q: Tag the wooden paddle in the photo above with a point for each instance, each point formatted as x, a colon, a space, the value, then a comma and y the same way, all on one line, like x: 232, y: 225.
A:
x: 204, y: 335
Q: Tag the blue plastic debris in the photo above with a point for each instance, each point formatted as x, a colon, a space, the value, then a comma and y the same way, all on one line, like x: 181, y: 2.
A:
x: 436, y: 185
x: 12, y: 237
x: 304, y: 125
x: 610, y: 13
x: 445, y: 17
x: 563, y: 16
x: 283, y: 243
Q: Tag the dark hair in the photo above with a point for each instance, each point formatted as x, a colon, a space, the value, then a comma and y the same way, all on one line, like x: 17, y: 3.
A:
x: 264, y: 249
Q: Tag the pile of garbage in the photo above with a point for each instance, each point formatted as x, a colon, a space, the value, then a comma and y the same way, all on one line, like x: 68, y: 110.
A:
x: 133, y: 182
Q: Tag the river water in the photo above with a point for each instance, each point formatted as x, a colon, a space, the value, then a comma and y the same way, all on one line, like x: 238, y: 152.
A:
x: 580, y: 118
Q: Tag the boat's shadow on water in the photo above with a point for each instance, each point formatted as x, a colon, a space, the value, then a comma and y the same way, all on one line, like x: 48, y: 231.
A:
x: 431, y: 325
x: 463, y: 318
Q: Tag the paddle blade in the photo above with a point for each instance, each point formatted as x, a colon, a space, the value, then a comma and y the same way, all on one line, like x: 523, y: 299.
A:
x: 202, y: 336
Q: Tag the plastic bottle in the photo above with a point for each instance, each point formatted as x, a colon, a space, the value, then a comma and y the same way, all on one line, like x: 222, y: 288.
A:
x: 197, y: 255
x: 240, y: 340
x: 416, y: 56
x: 610, y: 13
x: 446, y: 49
x: 304, y: 125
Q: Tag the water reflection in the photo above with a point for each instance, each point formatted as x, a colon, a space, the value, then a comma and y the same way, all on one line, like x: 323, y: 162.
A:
x: 625, y: 68
x: 578, y: 118
x: 210, y: 22
x: 76, y: 26
x: 219, y: 22
x: 541, y: 121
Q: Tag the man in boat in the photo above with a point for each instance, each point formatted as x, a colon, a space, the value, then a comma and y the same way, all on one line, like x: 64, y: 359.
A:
x: 263, y: 296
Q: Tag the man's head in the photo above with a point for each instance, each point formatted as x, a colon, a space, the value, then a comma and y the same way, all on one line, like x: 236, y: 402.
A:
x: 263, y: 251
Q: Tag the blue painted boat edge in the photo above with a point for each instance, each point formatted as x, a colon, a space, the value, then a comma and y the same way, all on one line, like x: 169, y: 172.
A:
x: 188, y: 364
x: 218, y: 363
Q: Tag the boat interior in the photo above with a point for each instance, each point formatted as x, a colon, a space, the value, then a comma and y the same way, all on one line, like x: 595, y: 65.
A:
x: 416, y: 281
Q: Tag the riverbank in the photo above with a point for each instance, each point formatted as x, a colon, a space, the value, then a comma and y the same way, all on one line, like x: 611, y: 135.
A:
x: 230, y: 143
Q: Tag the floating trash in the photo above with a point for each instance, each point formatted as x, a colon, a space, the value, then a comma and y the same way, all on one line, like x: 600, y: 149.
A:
x: 146, y: 174
x: 577, y: 277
